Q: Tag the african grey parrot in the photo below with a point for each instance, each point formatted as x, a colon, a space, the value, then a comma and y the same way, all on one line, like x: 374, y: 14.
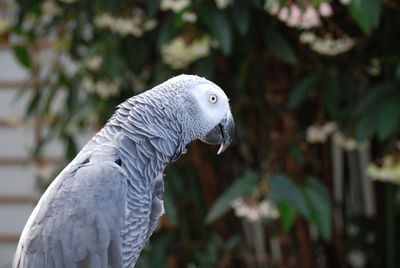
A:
x: 102, y: 208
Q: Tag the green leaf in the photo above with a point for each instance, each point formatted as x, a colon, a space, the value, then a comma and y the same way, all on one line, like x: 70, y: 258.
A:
x: 152, y: 7
x: 284, y: 189
x: 70, y: 146
x: 170, y: 211
x: 332, y: 95
x: 319, y: 204
x: 218, y: 24
x: 397, y: 71
x: 130, y: 48
x: 34, y: 103
x: 232, y: 242
x: 296, y: 153
x: 167, y: 31
x: 240, y: 187
x: 378, y: 94
x: 22, y: 55
x: 303, y: 88
x: 287, y: 215
x: 280, y: 46
x: 269, y: 3
x: 162, y: 73
x: 366, y: 13
x: 388, y: 118
x: 366, y: 126
x: 241, y: 16
x: 370, y: 108
x: 205, y: 67
x: 113, y: 64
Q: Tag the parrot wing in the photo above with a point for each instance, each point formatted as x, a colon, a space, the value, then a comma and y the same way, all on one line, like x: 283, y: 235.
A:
x: 78, y: 222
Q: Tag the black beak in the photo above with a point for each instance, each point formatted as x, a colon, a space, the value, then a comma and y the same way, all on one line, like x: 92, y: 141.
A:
x: 221, y: 133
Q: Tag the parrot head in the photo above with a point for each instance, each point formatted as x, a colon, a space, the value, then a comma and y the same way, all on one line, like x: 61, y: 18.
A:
x: 209, y: 113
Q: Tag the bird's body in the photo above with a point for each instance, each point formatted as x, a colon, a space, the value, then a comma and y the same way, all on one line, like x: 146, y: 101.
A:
x: 102, y: 208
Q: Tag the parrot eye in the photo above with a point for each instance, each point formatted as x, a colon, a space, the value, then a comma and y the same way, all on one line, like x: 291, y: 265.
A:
x: 213, y: 98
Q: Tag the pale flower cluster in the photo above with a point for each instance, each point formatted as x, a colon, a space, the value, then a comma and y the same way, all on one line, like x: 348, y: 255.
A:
x: 256, y: 211
x: 347, y: 143
x: 45, y: 173
x: 94, y: 63
x: 50, y: 7
x: 374, y: 68
x: 5, y: 26
x: 190, y: 17
x: 327, y: 46
x: 320, y: 134
x: 389, y: 171
x: 179, y: 54
x: 174, y: 5
x: 103, y: 88
x: 135, y: 25
x: 345, y: 2
x: 222, y: 4
x: 306, y: 18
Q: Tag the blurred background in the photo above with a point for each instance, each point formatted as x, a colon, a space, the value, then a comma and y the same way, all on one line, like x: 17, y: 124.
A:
x: 312, y: 177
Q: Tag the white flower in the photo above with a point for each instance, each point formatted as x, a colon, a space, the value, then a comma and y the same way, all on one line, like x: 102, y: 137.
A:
x: 45, y: 173
x: 268, y: 210
x: 345, y: 2
x: 178, y: 54
x: 320, y: 134
x: 107, y: 88
x: 190, y: 17
x: 135, y: 25
x: 374, y: 69
x: 94, y: 63
x: 294, y: 18
x: 5, y: 26
x: 150, y: 24
x: 174, y: 5
x: 347, y: 143
x: 104, y: 88
x: 307, y: 37
x: 256, y: 211
x: 332, y: 47
x: 310, y: 18
x: 126, y: 26
x: 49, y: 7
x: 283, y: 14
x: 357, y: 258
x: 103, y: 20
x: 325, y: 10
x: 221, y: 4
x: 273, y: 9
x: 389, y: 171
x: 315, y: 135
x: 88, y: 84
x: 329, y: 127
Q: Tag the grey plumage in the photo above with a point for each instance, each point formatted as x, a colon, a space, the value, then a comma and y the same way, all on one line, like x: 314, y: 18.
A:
x: 102, y: 208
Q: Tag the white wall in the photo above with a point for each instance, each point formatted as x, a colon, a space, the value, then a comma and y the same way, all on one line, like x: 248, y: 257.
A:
x: 19, y: 174
x: 17, y: 177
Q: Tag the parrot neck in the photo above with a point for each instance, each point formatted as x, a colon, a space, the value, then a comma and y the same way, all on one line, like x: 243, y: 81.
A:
x: 141, y: 160
x: 146, y: 143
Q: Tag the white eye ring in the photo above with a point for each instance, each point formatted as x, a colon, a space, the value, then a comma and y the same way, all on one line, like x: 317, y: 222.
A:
x: 213, y: 98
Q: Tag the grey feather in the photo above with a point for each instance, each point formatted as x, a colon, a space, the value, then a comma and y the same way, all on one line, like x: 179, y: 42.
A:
x: 103, y: 207
x: 71, y: 228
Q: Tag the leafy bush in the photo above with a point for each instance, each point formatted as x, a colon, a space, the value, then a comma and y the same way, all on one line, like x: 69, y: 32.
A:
x: 299, y: 74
